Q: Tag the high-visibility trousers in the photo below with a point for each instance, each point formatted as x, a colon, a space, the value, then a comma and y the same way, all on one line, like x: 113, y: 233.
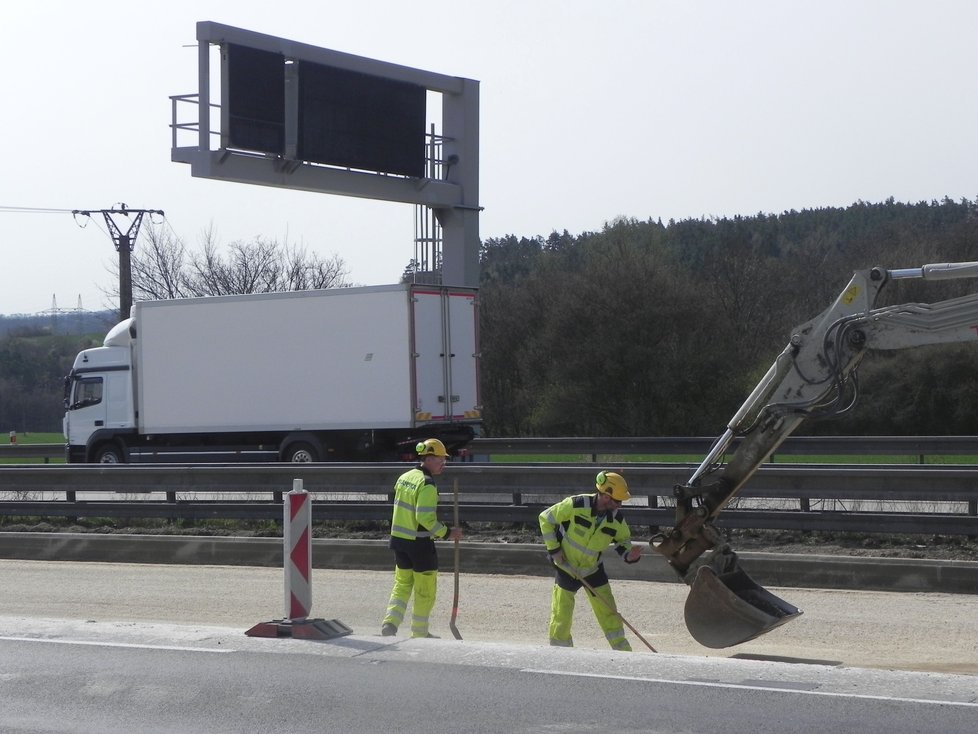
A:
x: 424, y: 586
x: 400, y: 596
x: 562, y: 617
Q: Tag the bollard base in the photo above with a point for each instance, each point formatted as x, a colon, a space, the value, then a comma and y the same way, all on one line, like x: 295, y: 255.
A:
x: 301, y: 629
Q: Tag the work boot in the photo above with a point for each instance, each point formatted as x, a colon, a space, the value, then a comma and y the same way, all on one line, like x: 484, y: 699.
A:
x: 428, y: 636
x: 561, y: 643
x: 388, y: 630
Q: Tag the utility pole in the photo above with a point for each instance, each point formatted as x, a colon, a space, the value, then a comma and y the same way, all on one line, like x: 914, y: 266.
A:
x: 124, y: 244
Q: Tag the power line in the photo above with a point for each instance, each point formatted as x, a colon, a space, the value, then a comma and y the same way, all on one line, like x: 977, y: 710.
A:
x: 33, y: 210
x: 123, y: 239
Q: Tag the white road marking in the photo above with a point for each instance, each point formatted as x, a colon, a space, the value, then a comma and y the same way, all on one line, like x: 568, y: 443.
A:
x: 708, y: 684
x: 95, y: 643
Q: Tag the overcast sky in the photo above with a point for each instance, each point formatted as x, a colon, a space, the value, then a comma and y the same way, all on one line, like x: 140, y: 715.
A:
x: 590, y: 110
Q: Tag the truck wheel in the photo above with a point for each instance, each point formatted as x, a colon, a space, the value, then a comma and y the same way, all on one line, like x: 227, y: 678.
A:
x: 108, y: 454
x: 300, y: 453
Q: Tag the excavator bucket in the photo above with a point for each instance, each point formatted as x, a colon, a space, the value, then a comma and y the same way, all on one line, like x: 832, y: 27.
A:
x: 731, y: 608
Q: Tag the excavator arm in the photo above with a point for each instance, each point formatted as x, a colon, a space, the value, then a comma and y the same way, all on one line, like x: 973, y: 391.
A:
x: 815, y: 376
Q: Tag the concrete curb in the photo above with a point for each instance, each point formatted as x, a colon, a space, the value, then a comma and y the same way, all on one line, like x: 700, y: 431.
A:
x: 767, y: 569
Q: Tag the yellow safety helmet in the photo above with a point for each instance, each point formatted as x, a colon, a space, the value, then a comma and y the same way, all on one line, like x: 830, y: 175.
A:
x: 613, y: 485
x: 431, y: 447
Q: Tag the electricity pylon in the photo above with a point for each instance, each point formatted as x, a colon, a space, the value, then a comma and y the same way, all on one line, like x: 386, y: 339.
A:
x: 124, y: 244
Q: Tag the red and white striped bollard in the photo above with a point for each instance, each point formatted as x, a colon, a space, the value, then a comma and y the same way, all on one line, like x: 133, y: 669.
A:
x: 298, y: 548
x: 297, y: 536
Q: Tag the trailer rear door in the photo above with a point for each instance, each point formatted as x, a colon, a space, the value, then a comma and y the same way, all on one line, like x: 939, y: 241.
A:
x: 445, y: 335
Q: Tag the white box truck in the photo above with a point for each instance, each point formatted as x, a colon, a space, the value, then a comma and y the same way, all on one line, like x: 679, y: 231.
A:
x: 345, y: 374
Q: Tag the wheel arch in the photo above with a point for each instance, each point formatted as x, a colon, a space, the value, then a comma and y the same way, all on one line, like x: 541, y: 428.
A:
x: 302, y: 437
x: 100, y: 439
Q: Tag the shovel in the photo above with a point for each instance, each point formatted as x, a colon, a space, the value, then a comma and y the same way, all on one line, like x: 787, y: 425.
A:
x: 451, y: 624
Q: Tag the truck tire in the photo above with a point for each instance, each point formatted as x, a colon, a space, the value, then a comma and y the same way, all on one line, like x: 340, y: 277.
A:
x: 300, y: 453
x: 109, y: 453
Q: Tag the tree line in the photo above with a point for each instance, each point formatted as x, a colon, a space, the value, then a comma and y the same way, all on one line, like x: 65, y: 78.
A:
x: 33, y: 363
x: 643, y: 328
x: 648, y: 328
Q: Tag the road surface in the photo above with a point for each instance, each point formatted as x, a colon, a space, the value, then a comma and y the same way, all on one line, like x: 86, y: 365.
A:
x: 108, y: 648
x: 864, y: 629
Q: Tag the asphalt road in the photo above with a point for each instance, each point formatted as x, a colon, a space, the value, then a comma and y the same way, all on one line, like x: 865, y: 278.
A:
x: 91, y: 677
x: 100, y: 647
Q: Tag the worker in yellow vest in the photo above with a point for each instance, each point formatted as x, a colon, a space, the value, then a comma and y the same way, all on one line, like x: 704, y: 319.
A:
x: 414, y: 526
x: 576, y: 531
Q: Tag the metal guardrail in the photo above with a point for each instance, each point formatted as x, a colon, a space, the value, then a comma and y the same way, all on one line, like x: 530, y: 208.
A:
x: 933, y: 482
x: 920, y: 446
x: 46, y: 451
x: 492, y: 492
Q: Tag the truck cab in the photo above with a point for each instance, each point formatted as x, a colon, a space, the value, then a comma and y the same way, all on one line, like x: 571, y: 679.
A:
x: 98, y: 399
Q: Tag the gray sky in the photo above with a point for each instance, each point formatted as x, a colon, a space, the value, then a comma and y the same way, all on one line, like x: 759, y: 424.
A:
x: 589, y: 111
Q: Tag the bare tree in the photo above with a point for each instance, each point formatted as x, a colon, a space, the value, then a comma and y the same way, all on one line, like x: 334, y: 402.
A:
x: 304, y: 272
x: 248, y: 267
x: 162, y: 268
x: 158, y: 267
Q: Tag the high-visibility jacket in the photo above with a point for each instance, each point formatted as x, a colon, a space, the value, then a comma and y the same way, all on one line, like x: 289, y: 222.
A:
x: 415, y: 507
x: 573, y: 527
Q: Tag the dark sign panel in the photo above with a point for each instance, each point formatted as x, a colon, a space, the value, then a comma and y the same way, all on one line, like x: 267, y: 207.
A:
x: 256, y: 99
x: 357, y: 120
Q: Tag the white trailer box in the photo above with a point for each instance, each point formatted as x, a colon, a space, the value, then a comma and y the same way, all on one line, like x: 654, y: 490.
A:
x: 268, y: 369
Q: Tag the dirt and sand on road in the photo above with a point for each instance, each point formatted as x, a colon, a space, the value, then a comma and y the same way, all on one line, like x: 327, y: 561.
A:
x: 908, y: 631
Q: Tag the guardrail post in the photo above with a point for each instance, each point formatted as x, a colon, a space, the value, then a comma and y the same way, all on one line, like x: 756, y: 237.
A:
x: 805, y: 505
x: 71, y: 496
x: 297, y: 546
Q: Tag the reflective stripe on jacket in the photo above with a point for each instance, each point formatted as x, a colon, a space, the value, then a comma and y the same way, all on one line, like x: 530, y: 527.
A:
x: 573, y: 527
x: 415, y: 507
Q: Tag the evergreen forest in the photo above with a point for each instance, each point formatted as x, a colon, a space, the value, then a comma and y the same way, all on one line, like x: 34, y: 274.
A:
x: 647, y: 328
x: 662, y: 329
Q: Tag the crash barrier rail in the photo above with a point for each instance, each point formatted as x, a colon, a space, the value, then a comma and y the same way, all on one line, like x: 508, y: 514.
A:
x: 46, y: 451
x: 919, y: 446
x: 818, y: 497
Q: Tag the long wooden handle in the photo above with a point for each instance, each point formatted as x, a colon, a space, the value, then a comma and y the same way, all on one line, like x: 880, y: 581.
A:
x: 451, y: 623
